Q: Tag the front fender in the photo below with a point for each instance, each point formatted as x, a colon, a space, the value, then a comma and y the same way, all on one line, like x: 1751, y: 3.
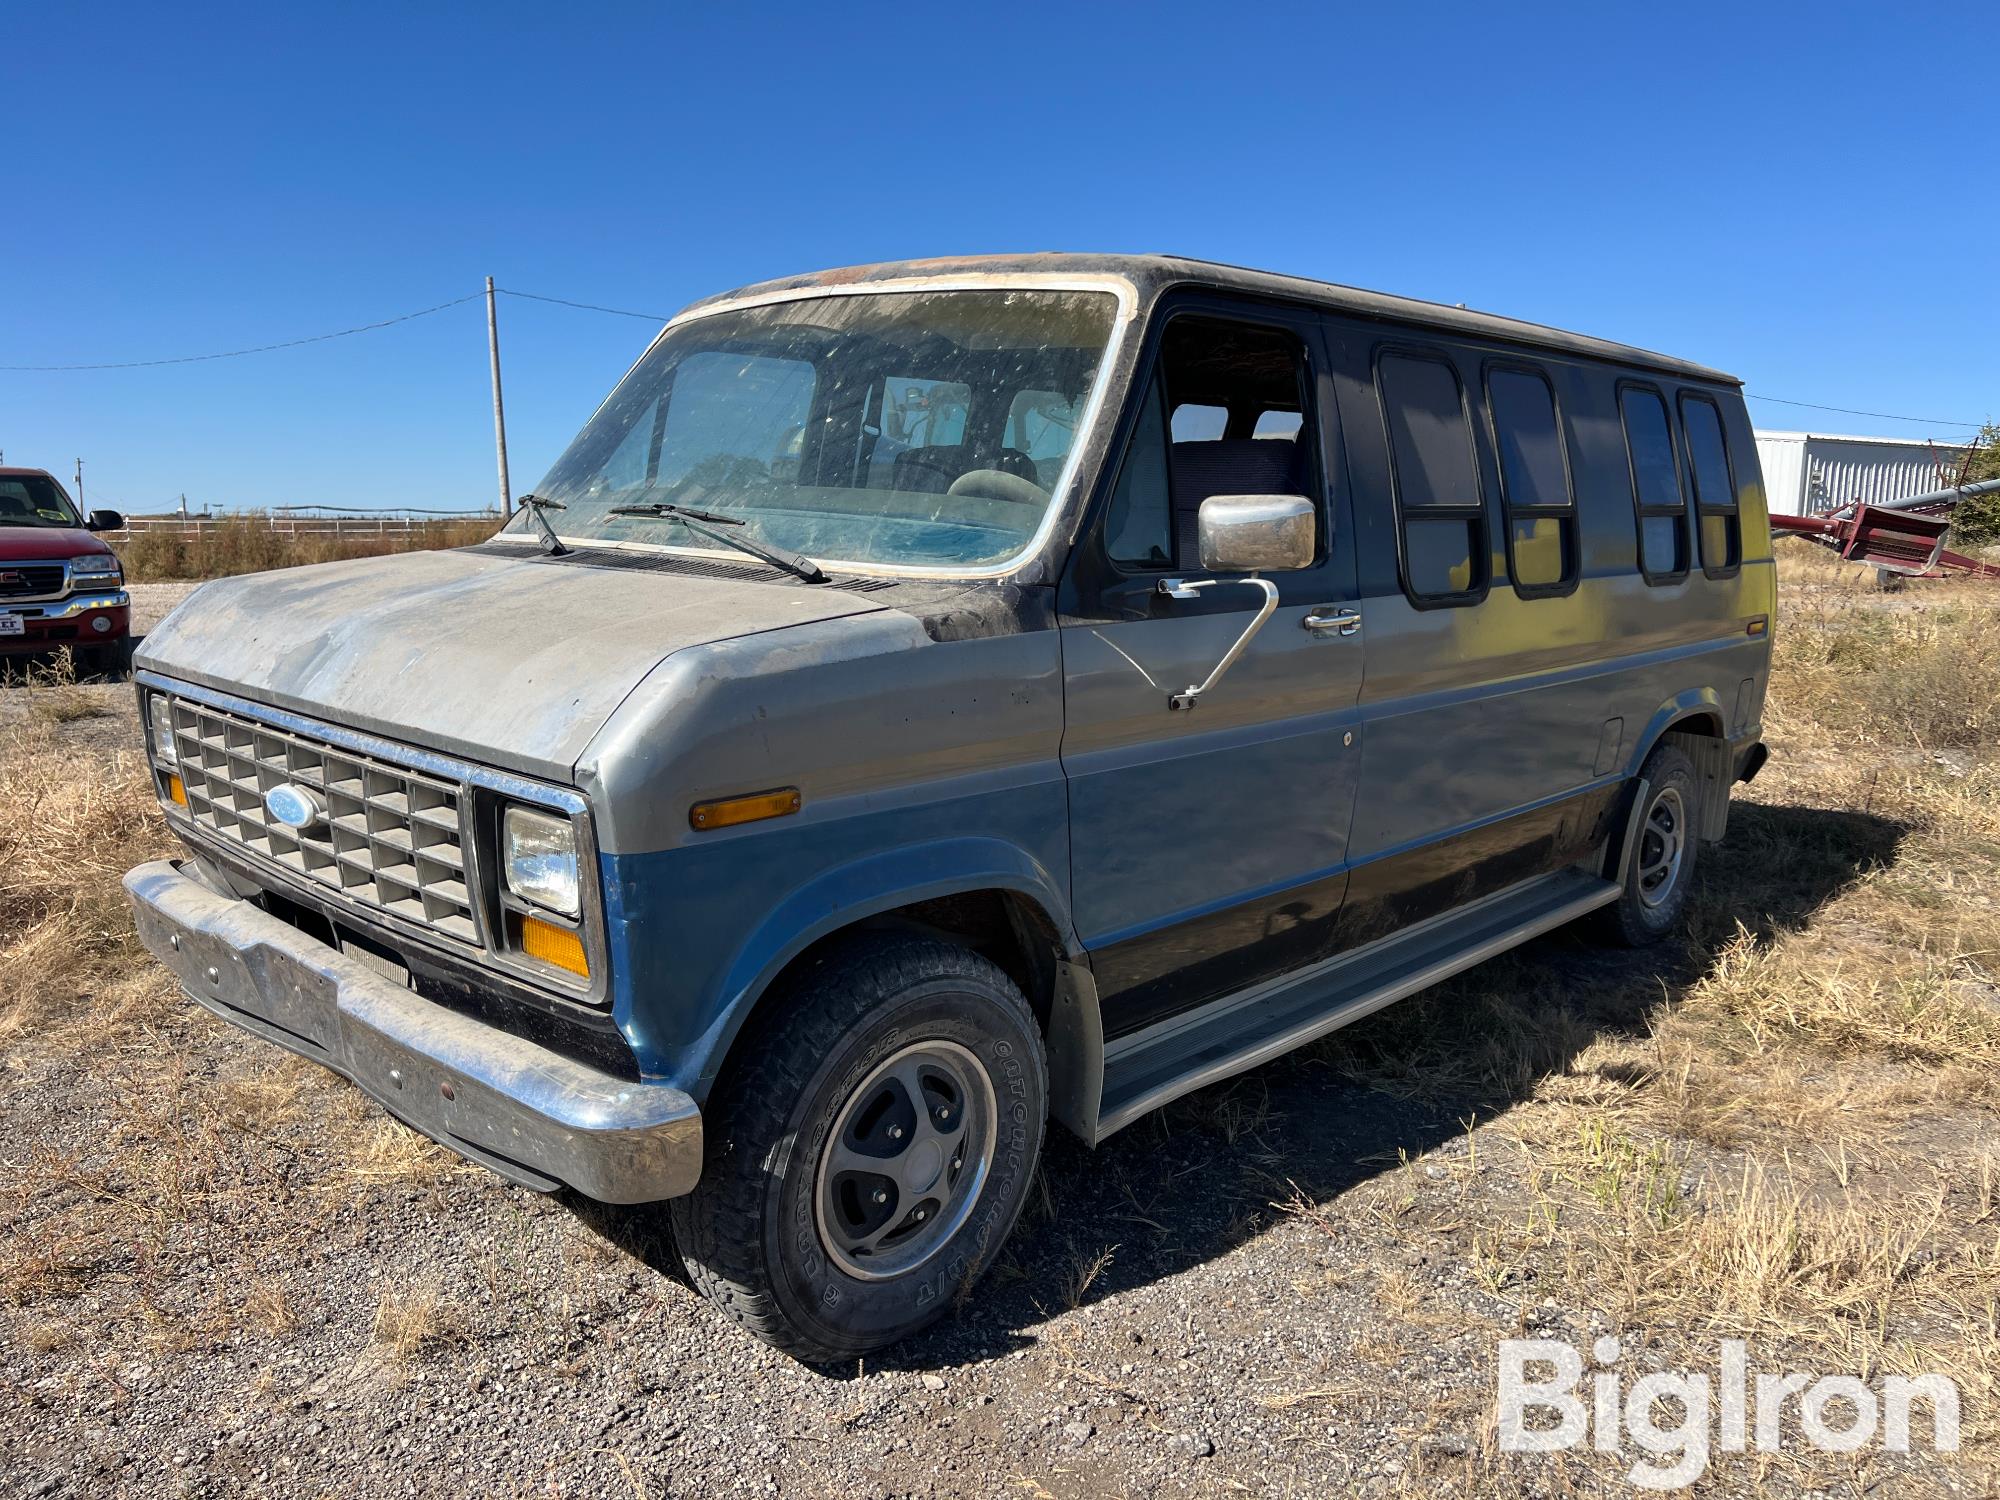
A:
x: 849, y: 893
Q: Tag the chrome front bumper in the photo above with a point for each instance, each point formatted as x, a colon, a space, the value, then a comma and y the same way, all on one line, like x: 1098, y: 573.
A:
x: 70, y: 608
x: 532, y: 1115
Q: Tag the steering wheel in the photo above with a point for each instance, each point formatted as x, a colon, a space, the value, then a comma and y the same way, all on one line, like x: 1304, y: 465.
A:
x: 998, y: 484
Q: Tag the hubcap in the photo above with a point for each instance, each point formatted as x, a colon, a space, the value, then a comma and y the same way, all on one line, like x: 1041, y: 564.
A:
x: 1661, y: 842
x: 909, y: 1153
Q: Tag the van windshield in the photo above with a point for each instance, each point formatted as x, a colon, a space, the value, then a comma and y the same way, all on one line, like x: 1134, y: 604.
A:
x: 916, y: 429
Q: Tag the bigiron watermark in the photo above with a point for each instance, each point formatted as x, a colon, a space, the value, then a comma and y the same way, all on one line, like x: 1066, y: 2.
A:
x: 1548, y: 1404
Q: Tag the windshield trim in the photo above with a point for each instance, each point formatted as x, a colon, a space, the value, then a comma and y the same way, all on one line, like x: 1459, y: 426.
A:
x: 1128, y: 306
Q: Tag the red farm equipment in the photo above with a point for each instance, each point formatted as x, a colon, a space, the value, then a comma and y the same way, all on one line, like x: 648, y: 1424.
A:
x: 1904, y: 537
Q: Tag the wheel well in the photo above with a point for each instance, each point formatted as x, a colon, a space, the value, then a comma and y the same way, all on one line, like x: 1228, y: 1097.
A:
x: 1003, y: 926
x: 1702, y: 722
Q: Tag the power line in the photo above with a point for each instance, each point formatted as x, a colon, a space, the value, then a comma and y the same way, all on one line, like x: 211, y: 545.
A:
x: 508, y: 291
x: 317, y: 338
x: 1886, y: 416
x: 622, y: 312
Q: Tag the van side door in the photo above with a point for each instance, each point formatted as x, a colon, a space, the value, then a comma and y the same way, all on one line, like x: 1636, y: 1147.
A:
x: 1209, y: 844
x: 1482, y: 714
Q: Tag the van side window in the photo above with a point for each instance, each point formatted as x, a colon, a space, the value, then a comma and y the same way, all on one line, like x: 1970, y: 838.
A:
x: 1224, y: 415
x: 1138, y: 528
x: 1438, y: 504
x: 1534, y: 481
x: 1714, y: 491
x: 1656, y: 485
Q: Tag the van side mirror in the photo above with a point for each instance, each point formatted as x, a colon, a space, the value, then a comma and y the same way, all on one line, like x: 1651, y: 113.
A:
x: 1257, y: 533
x: 1245, y: 534
x: 104, y: 520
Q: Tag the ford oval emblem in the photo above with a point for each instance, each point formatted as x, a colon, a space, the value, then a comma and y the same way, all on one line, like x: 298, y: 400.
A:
x: 294, y: 806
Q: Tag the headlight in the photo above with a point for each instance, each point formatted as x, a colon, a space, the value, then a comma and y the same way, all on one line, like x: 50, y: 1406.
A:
x: 160, y: 713
x: 95, y: 565
x: 539, y: 856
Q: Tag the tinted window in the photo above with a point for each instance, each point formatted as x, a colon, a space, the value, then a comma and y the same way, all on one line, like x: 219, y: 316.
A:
x: 1653, y: 469
x: 1708, y: 462
x: 1429, y: 433
x: 1656, y: 484
x: 1524, y: 427
x: 1541, y: 552
x: 1439, y: 554
x: 1437, y: 481
x: 1706, y: 456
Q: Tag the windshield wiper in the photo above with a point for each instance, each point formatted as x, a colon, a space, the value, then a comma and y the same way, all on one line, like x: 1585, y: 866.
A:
x: 699, y: 522
x: 535, y: 505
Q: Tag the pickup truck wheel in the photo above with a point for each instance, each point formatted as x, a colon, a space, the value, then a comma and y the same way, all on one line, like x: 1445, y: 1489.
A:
x: 1659, y: 872
x: 870, y: 1151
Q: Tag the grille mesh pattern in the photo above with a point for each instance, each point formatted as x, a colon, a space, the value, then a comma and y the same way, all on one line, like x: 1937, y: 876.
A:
x: 390, y: 837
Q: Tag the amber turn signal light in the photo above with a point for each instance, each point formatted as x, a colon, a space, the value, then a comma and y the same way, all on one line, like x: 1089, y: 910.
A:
x: 1757, y: 626
x: 554, y: 945
x: 176, y: 791
x: 730, y: 811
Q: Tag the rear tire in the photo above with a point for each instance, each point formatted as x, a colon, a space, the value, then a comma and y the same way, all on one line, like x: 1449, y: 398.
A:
x: 793, y: 1231
x: 1659, y: 872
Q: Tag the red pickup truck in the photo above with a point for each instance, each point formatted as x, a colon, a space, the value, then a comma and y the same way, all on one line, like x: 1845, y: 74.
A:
x: 59, y: 584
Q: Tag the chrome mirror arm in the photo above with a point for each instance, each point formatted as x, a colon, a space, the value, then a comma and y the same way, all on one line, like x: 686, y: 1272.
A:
x: 1187, y: 588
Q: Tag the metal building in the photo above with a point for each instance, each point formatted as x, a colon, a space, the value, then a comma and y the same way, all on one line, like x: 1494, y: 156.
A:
x: 1811, y: 473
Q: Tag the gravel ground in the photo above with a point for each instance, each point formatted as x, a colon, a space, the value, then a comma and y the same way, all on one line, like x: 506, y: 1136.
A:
x: 223, y: 1273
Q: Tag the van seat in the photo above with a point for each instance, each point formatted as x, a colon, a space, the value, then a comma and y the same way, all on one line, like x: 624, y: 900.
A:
x: 931, y: 471
x: 1226, y: 466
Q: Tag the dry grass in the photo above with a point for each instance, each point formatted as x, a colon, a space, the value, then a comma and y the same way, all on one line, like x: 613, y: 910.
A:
x: 251, y: 544
x: 414, y: 1322
x: 68, y: 832
x: 50, y: 687
x: 1789, y: 1128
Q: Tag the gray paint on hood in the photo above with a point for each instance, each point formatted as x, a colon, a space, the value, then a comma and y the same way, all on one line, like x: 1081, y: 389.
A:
x: 475, y: 654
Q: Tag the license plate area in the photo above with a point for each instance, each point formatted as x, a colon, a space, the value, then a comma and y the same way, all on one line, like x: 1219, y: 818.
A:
x: 11, y: 624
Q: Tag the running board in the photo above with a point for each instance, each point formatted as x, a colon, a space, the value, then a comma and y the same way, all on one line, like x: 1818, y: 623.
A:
x: 1229, y: 1036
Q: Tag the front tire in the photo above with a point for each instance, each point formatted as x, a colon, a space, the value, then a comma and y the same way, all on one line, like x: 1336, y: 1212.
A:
x: 870, y: 1151
x: 1660, y: 871
x: 113, y: 663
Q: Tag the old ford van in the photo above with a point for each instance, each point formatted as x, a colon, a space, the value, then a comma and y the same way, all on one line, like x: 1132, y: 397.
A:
x: 932, y: 699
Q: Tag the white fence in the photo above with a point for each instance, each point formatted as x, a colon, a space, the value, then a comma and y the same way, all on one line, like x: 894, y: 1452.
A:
x: 195, y: 528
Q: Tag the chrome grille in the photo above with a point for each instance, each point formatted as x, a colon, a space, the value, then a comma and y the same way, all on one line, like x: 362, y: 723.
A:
x: 391, y: 838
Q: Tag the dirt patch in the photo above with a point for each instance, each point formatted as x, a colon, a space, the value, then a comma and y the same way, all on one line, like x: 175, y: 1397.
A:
x: 224, y: 1273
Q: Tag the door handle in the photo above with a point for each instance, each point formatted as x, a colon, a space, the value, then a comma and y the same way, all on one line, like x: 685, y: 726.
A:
x: 1345, y: 621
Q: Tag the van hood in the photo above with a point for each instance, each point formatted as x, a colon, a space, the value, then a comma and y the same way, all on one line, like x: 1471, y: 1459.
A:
x: 496, y: 654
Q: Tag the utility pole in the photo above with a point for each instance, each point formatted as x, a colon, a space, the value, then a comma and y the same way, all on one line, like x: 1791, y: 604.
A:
x: 79, y: 484
x: 499, y: 411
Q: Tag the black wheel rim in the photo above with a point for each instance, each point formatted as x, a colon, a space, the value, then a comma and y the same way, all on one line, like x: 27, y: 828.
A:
x: 905, y: 1162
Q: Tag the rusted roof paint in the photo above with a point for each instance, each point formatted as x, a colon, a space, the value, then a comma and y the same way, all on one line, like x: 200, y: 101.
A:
x: 1151, y: 275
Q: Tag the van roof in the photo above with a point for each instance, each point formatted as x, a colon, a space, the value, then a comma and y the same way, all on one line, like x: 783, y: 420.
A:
x: 1151, y: 274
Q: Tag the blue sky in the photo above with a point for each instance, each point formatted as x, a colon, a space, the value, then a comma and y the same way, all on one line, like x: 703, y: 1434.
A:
x: 1798, y: 195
